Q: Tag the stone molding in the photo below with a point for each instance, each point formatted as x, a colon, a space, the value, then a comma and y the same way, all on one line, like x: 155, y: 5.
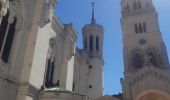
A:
x: 4, y: 73
x: 149, y: 71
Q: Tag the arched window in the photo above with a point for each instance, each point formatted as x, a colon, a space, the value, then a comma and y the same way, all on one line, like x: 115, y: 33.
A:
x: 138, y: 61
x: 50, y: 67
x: 152, y: 59
x: 97, y: 43
x: 136, y: 28
x: 139, y: 4
x: 9, y: 41
x: 91, y: 42
x: 144, y: 27
x: 140, y: 28
x: 134, y: 5
x: 3, y: 28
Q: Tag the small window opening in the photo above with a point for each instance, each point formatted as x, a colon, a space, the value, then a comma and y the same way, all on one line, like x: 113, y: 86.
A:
x: 97, y: 43
x: 90, y: 86
x: 90, y: 67
x: 91, y: 42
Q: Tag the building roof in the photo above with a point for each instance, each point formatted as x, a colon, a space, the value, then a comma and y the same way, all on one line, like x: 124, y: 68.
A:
x: 58, y: 89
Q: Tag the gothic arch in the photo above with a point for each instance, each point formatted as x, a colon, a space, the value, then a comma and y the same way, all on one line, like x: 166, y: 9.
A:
x: 8, y: 32
x: 152, y: 94
x: 137, y: 59
x: 153, y: 56
x: 12, y: 40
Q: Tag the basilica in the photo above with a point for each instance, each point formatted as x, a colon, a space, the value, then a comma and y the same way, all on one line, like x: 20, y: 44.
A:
x: 39, y: 59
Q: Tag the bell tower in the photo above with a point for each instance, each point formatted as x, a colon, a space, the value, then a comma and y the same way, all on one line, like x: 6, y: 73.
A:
x: 93, y: 48
x: 145, y: 56
x: 93, y: 37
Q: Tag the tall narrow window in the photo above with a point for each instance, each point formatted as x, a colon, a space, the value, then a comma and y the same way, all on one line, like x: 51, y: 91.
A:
x: 135, y: 5
x: 138, y: 60
x: 144, y: 27
x: 140, y: 28
x: 49, y: 73
x: 91, y: 42
x: 136, y: 28
x: 52, y: 73
x: 50, y: 68
x: 73, y: 88
x: 3, y: 28
x: 139, y: 4
x: 97, y: 43
x: 9, y: 41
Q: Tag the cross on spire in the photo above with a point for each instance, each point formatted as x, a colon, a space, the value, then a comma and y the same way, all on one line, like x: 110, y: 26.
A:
x: 93, y: 20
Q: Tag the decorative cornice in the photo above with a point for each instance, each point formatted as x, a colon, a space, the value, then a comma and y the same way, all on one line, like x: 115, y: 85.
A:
x: 150, y: 71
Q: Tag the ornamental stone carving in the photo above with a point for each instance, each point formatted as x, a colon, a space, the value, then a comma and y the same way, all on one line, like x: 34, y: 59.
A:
x: 4, y: 7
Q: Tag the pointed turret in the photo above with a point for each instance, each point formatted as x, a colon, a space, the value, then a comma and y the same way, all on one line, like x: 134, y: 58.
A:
x: 93, y: 20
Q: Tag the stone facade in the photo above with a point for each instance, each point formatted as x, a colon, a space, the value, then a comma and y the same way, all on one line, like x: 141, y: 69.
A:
x: 38, y: 52
x: 39, y: 59
x: 146, y: 74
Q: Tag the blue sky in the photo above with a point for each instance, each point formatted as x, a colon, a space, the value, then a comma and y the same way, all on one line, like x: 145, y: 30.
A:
x: 108, y: 14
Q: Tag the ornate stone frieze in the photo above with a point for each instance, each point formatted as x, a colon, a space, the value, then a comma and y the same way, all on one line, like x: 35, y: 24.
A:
x: 149, y: 72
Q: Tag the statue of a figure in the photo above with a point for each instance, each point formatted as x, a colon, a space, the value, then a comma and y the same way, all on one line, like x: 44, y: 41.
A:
x: 51, y: 53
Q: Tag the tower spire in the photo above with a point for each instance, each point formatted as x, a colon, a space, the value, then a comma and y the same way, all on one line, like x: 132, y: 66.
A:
x: 93, y: 20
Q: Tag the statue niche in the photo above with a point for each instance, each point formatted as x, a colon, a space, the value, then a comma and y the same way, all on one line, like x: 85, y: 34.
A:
x: 50, y: 67
x: 152, y: 58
